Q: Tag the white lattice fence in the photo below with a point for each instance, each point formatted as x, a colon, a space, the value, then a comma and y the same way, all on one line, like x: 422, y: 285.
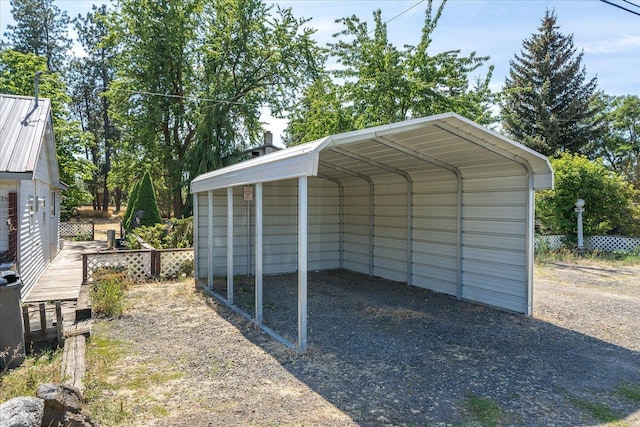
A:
x: 173, y: 260
x: 137, y: 264
x: 553, y: 243
x: 613, y: 243
x: 601, y: 243
x: 76, y: 229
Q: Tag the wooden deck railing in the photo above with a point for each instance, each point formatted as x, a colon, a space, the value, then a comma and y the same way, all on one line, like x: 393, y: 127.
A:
x: 32, y: 334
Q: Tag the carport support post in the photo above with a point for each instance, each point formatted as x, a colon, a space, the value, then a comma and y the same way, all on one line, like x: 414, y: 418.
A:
x: 258, y: 255
x: 210, y: 239
x: 230, y: 245
x: 302, y: 264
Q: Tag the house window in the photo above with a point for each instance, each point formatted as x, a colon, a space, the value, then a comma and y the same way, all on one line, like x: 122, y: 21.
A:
x: 53, y: 203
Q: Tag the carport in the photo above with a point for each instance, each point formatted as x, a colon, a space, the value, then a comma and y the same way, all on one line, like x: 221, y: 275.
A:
x: 437, y: 202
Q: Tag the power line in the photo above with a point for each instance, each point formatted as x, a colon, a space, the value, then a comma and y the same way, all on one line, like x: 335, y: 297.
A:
x: 398, y: 15
x: 631, y: 3
x: 193, y: 98
x: 621, y: 7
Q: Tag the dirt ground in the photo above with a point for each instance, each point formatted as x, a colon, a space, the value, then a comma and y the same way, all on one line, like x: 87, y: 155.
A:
x: 381, y: 353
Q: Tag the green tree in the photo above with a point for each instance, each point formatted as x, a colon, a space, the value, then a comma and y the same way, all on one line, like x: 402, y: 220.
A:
x: 619, y: 147
x: 609, y: 199
x: 145, y: 201
x: 252, y: 56
x: 153, y: 92
x: 321, y: 112
x: 41, y: 29
x: 89, y: 78
x: 547, y: 102
x: 378, y: 83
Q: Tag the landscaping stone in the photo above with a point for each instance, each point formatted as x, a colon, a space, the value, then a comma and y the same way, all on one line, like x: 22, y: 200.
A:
x: 63, y: 406
x: 22, y: 412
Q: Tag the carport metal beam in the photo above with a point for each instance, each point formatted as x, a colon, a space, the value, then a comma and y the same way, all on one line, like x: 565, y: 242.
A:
x: 302, y: 264
x: 423, y: 157
x: 230, y: 245
x: 371, y: 194
x: 409, y: 181
x: 210, y: 240
x: 258, y: 254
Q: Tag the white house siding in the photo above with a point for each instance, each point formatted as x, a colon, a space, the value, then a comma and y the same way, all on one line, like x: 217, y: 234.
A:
x: 33, y: 236
x: 494, y: 254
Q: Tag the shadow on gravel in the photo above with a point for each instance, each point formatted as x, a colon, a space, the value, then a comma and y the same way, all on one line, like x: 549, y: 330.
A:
x: 385, y: 353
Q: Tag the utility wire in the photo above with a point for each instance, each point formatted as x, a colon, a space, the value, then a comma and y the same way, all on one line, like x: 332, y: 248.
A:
x: 194, y: 98
x: 631, y: 3
x: 621, y: 7
x: 398, y: 15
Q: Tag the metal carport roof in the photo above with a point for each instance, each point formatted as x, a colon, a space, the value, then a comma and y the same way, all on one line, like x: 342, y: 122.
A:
x: 451, y: 142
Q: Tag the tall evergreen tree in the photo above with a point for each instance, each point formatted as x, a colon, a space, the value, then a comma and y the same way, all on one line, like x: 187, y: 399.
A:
x: 145, y: 202
x: 41, y: 29
x: 547, y: 100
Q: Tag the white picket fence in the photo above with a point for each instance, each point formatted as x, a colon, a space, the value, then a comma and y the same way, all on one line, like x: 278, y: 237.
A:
x: 601, y: 243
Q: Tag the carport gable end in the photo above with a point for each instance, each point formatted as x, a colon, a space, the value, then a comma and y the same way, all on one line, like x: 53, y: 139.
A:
x: 438, y: 202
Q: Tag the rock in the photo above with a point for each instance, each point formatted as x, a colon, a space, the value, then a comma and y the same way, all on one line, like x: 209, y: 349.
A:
x: 22, y: 412
x: 63, y: 406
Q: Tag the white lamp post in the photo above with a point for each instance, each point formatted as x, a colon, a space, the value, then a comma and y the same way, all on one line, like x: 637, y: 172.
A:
x: 579, y: 209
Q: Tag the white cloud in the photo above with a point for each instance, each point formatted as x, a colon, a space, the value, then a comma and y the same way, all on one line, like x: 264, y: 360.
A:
x: 623, y: 44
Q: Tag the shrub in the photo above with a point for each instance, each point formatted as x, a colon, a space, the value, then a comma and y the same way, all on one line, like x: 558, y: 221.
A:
x: 609, y: 200
x: 108, y: 292
x: 133, y: 195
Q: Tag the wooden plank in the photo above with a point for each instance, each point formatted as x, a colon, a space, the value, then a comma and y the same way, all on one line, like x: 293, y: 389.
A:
x: 73, y: 361
x: 62, y: 279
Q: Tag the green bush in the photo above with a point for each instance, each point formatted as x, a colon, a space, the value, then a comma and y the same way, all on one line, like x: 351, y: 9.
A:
x: 609, y: 200
x: 175, y: 233
x: 108, y: 292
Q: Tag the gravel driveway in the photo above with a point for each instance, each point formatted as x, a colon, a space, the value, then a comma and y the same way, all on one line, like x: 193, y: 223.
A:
x: 381, y: 353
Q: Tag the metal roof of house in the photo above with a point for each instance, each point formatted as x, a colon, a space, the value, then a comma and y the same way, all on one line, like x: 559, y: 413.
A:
x: 25, y: 130
x: 445, y: 141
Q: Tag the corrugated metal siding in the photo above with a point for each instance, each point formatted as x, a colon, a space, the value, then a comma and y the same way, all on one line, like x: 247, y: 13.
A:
x: 435, y: 234
x: 390, y: 234
x: 356, y: 225
x: 20, y: 137
x: 494, y: 239
x: 280, y: 233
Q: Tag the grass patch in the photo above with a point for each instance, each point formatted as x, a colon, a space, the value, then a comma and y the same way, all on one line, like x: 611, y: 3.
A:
x: 109, y: 292
x: 122, y: 386
x: 599, y: 411
x: 570, y: 256
x: 484, y: 410
x: 37, y: 369
x: 629, y: 391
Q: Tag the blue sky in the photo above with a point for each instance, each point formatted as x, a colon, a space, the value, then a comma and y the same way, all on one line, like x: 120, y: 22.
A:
x: 608, y: 36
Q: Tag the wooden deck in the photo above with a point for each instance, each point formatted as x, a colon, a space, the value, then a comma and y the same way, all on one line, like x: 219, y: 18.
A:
x: 62, y: 279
